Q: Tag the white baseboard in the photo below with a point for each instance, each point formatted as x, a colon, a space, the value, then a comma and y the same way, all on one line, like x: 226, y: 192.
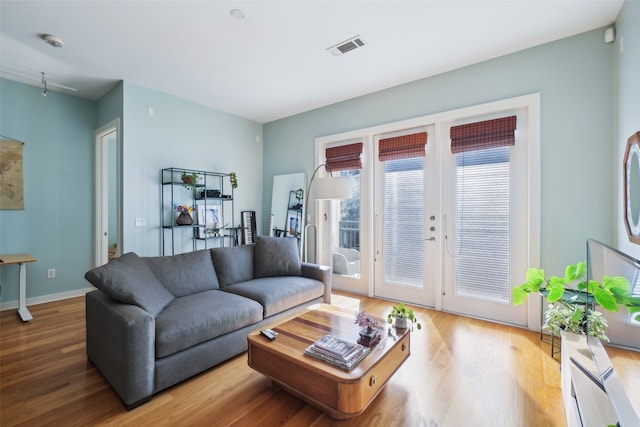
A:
x: 9, y: 305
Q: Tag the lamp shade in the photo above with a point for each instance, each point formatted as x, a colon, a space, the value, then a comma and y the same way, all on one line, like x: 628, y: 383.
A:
x: 331, y: 188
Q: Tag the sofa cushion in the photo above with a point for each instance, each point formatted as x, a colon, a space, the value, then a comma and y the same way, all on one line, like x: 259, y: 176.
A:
x: 127, y: 279
x: 233, y: 264
x: 196, y: 318
x: 277, y: 294
x: 185, y: 274
x: 276, y: 256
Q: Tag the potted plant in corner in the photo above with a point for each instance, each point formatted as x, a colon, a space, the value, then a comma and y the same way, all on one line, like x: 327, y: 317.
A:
x: 403, y: 317
x: 572, y: 299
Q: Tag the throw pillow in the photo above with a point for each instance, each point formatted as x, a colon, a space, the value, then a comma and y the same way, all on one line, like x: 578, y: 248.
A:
x: 233, y: 264
x: 277, y: 256
x: 128, y: 279
x: 185, y: 274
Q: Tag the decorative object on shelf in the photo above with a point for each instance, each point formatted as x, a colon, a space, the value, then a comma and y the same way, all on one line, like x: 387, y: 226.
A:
x: 234, y: 180
x: 369, y: 333
x: 184, y: 219
x: 631, y: 171
x: 577, y: 304
x: 403, y: 316
x: 185, y: 215
x: 189, y: 180
x: 299, y: 198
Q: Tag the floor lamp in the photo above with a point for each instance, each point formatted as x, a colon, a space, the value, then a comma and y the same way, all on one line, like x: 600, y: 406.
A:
x: 329, y: 188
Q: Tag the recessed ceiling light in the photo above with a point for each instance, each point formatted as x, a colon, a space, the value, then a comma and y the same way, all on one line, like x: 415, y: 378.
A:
x: 54, y: 41
x: 237, y: 14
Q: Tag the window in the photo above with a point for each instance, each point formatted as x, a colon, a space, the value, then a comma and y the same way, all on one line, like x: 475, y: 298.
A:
x: 482, y: 264
x: 404, y: 222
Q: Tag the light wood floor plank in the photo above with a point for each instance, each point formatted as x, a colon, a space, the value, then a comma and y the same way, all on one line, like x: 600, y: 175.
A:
x: 462, y: 372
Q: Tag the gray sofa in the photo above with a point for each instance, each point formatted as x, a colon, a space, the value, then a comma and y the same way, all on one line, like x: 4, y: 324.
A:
x: 156, y: 321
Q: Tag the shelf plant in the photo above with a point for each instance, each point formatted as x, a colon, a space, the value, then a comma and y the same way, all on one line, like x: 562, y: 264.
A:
x: 189, y: 180
x: 573, y: 299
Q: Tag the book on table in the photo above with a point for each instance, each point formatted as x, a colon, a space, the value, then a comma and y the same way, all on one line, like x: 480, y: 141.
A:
x: 341, y: 353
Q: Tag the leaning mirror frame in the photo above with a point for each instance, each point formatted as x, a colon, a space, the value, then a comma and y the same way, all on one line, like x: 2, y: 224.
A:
x: 631, y: 171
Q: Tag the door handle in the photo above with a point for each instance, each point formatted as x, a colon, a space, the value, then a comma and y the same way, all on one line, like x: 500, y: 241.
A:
x: 431, y: 238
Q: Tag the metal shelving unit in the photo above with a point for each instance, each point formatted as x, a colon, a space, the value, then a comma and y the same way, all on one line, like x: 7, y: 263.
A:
x: 213, y: 215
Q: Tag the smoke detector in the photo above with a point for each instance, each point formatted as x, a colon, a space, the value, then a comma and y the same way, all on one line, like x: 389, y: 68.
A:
x: 353, y: 43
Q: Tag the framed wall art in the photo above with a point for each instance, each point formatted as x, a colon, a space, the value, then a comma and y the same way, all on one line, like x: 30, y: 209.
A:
x: 11, y: 175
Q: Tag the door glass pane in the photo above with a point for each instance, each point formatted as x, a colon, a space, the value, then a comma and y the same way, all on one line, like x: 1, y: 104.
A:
x: 403, y: 230
x: 346, y: 255
x: 481, y: 259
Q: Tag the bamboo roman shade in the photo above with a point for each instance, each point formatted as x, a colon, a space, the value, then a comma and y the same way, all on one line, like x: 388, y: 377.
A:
x: 483, y: 135
x: 344, y: 157
x: 402, y: 147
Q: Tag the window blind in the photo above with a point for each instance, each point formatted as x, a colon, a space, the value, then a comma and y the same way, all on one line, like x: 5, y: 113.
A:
x: 344, y: 157
x: 402, y: 147
x: 404, y: 222
x: 483, y: 135
x: 482, y: 226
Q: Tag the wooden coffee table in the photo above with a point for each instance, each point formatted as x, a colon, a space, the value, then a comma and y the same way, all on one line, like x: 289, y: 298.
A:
x: 339, y: 393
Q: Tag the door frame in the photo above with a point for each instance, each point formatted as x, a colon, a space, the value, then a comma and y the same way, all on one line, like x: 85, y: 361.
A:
x: 102, y: 168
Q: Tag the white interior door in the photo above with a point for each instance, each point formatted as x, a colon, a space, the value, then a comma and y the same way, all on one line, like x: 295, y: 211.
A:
x: 107, y: 220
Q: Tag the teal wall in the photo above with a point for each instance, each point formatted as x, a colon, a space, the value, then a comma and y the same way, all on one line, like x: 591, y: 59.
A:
x: 575, y: 79
x: 56, y: 225
x: 184, y: 135
x: 627, y: 53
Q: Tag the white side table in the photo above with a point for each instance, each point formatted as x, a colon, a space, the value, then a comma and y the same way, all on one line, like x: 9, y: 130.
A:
x: 21, y: 260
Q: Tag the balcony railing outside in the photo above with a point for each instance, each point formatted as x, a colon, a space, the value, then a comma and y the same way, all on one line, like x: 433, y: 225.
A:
x: 349, y: 234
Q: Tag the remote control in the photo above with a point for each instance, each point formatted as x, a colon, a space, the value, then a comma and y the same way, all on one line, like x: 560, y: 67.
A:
x: 269, y: 334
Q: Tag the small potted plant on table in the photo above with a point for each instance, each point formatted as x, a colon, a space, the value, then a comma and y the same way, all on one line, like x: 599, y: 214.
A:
x: 403, y: 316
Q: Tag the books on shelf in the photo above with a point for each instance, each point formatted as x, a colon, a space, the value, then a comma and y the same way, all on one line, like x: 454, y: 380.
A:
x: 341, y: 353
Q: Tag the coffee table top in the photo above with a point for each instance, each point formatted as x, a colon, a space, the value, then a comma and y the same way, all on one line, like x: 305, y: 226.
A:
x: 298, y: 333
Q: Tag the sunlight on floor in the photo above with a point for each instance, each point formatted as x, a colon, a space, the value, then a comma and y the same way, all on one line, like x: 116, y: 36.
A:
x: 345, y: 302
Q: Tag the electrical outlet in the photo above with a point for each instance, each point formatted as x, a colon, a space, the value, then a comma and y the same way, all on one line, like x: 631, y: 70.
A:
x: 141, y: 221
x: 51, y: 273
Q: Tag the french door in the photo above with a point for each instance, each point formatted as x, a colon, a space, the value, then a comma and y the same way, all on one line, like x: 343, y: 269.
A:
x: 405, y: 219
x: 486, y: 210
x: 446, y: 228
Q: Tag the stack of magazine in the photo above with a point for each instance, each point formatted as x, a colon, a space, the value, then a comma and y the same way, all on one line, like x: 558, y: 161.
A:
x: 343, y: 354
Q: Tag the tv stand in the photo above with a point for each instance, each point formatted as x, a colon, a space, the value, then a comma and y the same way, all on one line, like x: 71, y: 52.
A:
x: 591, y: 397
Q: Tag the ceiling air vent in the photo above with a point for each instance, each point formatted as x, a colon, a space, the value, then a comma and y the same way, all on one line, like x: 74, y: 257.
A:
x: 347, y: 46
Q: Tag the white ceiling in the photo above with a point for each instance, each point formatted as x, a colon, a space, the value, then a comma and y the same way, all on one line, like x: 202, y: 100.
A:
x: 274, y: 62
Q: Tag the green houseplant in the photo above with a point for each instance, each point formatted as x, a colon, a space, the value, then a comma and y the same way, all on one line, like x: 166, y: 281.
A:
x: 189, y: 180
x: 572, y: 299
x: 403, y: 316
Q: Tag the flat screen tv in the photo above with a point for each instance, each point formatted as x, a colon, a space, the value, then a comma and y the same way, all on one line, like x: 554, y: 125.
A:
x: 603, y: 260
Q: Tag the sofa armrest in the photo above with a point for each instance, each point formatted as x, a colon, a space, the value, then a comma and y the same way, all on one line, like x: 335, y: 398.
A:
x: 321, y: 273
x: 121, y: 344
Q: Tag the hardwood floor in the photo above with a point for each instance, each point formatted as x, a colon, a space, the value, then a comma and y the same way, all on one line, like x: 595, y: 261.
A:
x: 461, y: 372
